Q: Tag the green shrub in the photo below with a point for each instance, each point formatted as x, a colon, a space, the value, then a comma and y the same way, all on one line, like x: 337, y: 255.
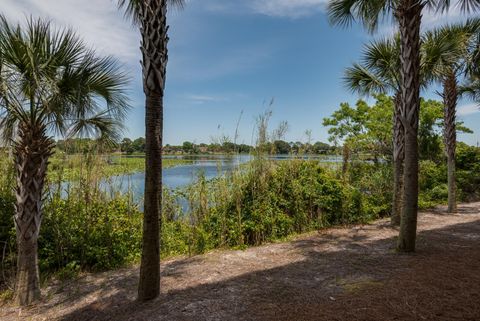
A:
x: 99, y: 234
x: 264, y: 201
x: 374, y: 182
x: 468, y: 172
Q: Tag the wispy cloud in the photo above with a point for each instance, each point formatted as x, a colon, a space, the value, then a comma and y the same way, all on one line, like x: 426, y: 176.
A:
x: 305, y: 8
x: 202, y: 99
x: 274, y: 8
x: 288, y: 8
x: 98, y: 22
x: 432, y: 19
x: 468, y: 109
x: 234, y: 61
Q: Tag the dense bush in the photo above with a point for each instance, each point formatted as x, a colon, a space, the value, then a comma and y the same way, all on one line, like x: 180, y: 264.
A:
x: 468, y: 172
x: 432, y: 184
x: 98, y: 235
x: 263, y: 201
x: 374, y: 182
x: 433, y: 178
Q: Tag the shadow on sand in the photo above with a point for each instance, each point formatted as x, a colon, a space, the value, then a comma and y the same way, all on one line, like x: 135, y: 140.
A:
x: 364, y: 280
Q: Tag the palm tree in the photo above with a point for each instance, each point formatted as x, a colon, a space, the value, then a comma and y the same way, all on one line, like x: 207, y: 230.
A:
x: 448, y: 52
x: 408, y: 14
x: 151, y: 17
x: 379, y: 73
x: 50, y: 83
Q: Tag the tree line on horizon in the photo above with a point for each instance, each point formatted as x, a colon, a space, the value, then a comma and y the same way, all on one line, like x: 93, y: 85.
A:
x: 137, y: 146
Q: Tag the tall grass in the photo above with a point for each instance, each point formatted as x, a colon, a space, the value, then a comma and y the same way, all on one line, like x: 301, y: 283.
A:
x: 266, y: 200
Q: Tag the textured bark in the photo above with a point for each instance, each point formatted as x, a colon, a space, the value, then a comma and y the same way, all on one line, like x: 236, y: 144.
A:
x: 450, y: 97
x: 32, y: 151
x: 398, y: 157
x: 153, y: 19
x: 409, y: 17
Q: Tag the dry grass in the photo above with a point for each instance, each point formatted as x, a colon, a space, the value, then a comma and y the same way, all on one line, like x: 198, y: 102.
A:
x: 337, y: 274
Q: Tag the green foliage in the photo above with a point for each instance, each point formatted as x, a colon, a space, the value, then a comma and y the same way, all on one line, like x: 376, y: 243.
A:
x: 7, y: 230
x: 96, y: 233
x: 72, y: 167
x: 374, y: 181
x: 364, y: 128
x: 429, y: 130
x: 432, y: 182
x: 70, y: 271
x: 468, y: 169
x: 263, y: 201
x: 368, y: 129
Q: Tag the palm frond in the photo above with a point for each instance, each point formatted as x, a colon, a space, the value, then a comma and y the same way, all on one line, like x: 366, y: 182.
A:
x: 368, y: 12
x: 361, y: 80
x: 133, y: 7
x: 48, y: 76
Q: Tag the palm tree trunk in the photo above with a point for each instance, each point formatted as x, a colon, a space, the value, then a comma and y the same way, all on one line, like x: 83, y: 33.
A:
x: 450, y: 96
x: 398, y: 156
x: 32, y: 152
x: 409, y: 18
x: 153, y: 19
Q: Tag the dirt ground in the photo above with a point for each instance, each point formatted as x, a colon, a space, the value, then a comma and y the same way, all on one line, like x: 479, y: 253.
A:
x: 336, y: 274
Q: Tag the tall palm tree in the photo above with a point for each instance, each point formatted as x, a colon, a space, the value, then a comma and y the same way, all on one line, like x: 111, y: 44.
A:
x: 50, y: 83
x: 408, y: 15
x: 151, y: 17
x: 379, y: 73
x: 448, y: 52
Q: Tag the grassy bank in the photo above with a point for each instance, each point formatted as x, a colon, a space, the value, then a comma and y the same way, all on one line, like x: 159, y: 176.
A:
x: 72, y: 167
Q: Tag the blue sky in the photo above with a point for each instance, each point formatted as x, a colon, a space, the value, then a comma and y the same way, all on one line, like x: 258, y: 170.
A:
x: 232, y: 56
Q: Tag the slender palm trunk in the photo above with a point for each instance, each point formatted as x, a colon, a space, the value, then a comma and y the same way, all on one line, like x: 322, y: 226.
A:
x: 450, y: 97
x: 409, y: 18
x: 153, y: 18
x: 32, y: 152
x: 398, y: 156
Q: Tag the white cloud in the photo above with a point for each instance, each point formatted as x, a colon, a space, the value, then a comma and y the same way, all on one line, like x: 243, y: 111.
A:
x: 98, y: 22
x: 432, y: 19
x: 288, y: 8
x: 273, y: 8
x: 468, y: 109
x: 201, y: 99
x: 304, y: 8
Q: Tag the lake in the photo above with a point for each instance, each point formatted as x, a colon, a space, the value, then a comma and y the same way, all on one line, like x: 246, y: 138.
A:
x: 185, y: 174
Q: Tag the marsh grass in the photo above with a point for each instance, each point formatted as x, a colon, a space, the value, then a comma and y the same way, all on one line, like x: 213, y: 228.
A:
x: 71, y: 167
x: 266, y: 200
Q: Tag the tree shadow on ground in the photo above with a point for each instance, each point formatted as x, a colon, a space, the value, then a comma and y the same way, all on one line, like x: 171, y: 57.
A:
x: 337, y: 274
x: 438, y: 282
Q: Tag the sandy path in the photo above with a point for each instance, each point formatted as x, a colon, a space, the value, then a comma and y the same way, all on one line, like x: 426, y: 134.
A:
x: 335, y: 274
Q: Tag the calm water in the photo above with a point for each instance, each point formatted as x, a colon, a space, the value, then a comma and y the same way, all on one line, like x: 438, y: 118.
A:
x: 183, y: 175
